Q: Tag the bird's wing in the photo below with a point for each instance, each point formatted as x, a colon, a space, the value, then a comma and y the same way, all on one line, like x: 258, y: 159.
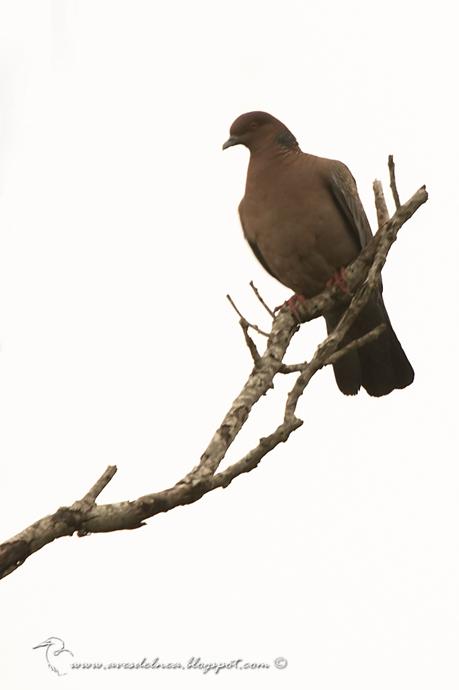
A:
x: 256, y: 250
x: 344, y: 190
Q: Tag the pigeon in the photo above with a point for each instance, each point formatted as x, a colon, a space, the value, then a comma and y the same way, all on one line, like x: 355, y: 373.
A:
x: 303, y: 218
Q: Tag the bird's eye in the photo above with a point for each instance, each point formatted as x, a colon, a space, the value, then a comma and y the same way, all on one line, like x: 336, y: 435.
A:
x: 253, y: 124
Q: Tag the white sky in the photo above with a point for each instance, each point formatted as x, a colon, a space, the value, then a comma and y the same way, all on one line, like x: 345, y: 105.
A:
x: 119, y: 239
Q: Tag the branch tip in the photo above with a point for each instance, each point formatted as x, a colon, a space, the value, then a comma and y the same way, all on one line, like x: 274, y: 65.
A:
x: 393, y: 183
x: 261, y: 300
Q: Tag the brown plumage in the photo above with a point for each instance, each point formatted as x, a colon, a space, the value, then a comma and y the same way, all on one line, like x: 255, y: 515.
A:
x: 304, y: 220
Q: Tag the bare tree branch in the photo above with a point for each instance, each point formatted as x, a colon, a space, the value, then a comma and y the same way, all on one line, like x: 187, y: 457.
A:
x: 89, y: 500
x: 249, y: 342
x: 260, y: 298
x: 85, y: 516
x: 393, y: 184
x: 358, y: 342
x: 249, y: 325
x: 292, y: 368
x: 380, y: 203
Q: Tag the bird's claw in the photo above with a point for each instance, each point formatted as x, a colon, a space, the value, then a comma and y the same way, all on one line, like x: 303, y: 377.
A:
x: 292, y: 305
x: 339, y: 279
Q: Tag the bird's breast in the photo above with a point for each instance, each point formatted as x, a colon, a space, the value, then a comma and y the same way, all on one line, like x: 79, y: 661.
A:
x: 297, y: 237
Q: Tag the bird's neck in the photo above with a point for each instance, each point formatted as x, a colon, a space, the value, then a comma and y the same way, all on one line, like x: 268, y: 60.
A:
x: 281, y: 146
x: 270, y: 162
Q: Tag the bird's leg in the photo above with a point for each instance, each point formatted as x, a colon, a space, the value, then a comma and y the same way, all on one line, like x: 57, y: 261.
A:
x: 339, y: 280
x: 292, y: 305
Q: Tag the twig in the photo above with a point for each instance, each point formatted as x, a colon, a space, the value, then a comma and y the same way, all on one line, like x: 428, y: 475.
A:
x: 358, y: 342
x: 250, y: 344
x: 380, y: 203
x: 253, y: 457
x: 65, y: 521
x: 260, y: 298
x: 293, y: 368
x: 88, y: 501
x: 250, y: 325
x: 393, y: 184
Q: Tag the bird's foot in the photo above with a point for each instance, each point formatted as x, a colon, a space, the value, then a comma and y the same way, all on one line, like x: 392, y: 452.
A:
x: 339, y: 279
x: 292, y: 305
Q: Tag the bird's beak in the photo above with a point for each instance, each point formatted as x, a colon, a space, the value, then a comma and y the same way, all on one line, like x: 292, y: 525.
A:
x: 232, y: 141
x: 42, y: 644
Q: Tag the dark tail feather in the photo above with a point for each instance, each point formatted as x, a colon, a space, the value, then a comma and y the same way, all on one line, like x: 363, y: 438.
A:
x: 381, y: 366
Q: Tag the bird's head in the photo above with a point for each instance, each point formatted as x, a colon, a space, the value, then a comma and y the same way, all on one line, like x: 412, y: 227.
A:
x: 258, y: 130
x: 50, y: 642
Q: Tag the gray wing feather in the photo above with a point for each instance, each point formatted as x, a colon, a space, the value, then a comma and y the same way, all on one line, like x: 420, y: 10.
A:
x: 344, y: 190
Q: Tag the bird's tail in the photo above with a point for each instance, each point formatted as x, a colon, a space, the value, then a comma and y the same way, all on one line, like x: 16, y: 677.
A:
x: 381, y: 365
